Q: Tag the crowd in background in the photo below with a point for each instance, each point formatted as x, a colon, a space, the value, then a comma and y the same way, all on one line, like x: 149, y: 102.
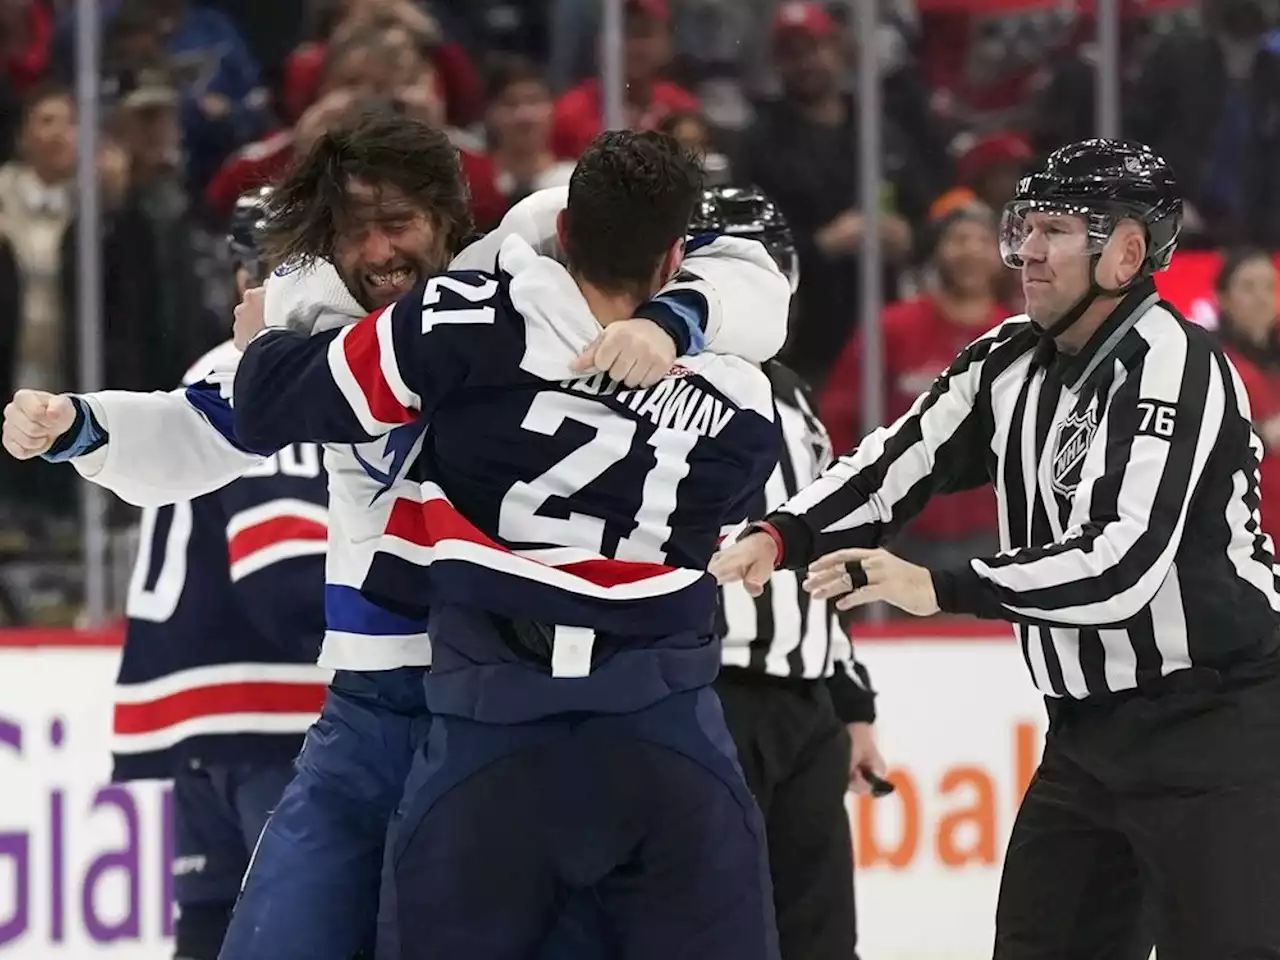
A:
x: 205, y: 99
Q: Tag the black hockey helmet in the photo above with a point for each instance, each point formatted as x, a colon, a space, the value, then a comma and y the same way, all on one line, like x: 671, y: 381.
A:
x: 747, y: 212
x: 244, y: 235
x: 1103, y: 182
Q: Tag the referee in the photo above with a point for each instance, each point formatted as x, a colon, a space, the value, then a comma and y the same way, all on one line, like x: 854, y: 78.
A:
x: 1142, y: 591
x: 800, y: 709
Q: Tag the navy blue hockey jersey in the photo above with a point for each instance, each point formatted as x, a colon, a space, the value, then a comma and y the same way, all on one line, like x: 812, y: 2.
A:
x: 563, y: 524
x: 226, y: 615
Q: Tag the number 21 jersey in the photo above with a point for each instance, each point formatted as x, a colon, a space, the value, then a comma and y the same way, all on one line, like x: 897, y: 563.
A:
x: 563, y: 523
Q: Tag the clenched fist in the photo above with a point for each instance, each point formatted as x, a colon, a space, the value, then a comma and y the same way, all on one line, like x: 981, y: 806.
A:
x: 750, y: 561
x: 637, y: 352
x: 33, y: 420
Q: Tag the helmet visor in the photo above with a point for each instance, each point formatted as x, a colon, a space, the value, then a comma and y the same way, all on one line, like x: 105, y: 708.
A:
x: 788, y: 261
x: 1034, y: 230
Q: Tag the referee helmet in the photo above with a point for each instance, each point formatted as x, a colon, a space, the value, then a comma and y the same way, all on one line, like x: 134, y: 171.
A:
x: 1103, y: 182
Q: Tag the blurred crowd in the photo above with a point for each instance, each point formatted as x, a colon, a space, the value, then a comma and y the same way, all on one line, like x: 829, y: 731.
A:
x: 202, y: 100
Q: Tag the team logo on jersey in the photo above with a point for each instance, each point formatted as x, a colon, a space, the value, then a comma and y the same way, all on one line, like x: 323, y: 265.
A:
x: 386, y: 468
x: 1071, y: 442
x: 288, y: 267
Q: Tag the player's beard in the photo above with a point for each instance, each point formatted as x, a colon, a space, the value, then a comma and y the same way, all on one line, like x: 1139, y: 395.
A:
x: 378, y: 285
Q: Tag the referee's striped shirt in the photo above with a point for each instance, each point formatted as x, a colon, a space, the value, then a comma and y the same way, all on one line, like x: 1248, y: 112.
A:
x: 1127, y: 482
x: 785, y: 633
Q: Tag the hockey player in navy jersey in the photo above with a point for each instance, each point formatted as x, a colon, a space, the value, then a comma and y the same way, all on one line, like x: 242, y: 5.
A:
x: 218, y: 681
x: 558, y: 543
x: 312, y: 889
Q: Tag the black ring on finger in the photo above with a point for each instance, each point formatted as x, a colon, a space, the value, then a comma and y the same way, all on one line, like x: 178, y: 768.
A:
x: 857, y: 576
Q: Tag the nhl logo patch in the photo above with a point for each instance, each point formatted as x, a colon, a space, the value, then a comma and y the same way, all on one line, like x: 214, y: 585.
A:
x: 1071, y: 442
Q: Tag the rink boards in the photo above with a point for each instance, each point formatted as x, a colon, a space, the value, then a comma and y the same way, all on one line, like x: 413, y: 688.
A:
x: 83, y: 864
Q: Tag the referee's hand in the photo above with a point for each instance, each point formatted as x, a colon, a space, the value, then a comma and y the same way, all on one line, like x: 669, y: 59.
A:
x: 879, y: 575
x: 864, y: 754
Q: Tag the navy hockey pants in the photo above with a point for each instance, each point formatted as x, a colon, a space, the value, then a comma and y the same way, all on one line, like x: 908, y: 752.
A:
x: 219, y: 811
x: 644, y: 815
x: 312, y: 890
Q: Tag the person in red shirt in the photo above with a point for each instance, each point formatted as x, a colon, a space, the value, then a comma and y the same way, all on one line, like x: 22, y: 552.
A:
x: 377, y: 59
x: 579, y: 113
x: 1246, y: 288
x: 26, y: 30
x: 520, y: 160
x: 459, y: 83
x: 921, y: 338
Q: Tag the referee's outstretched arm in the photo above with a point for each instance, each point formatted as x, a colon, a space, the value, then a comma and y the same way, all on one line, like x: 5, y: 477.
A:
x: 1160, y: 427
x: 868, y: 495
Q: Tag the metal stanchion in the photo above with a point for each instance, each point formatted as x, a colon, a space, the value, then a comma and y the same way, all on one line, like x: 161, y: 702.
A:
x: 1107, y: 88
x: 612, y: 76
x: 89, y: 289
x: 870, y: 196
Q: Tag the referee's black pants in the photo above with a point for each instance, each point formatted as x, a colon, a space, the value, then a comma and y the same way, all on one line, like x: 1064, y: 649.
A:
x: 1154, y: 818
x: 794, y: 753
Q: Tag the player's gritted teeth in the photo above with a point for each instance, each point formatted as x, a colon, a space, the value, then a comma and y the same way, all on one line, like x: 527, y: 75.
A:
x: 388, y: 284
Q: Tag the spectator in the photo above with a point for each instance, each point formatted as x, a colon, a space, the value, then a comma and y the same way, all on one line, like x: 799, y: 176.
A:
x: 374, y: 59
x: 992, y: 167
x: 163, y: 231
x: 26, y: 29
x: 803, y: 152
x: 921, y: 337
x: 10, y: 115
x: 694, y: 133
x: 223, y: 103
x: 579, y: 113
x: 519, y: 160
x: 39, y: 346
x: 1208, y: 103
x: 459, y: 83
x: 989, y: 171
x: 1246, y: 288
x: 36, y: 198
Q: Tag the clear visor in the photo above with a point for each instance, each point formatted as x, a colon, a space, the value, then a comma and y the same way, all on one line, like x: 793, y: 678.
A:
x: 788, y: 262
x: 1032, y: 231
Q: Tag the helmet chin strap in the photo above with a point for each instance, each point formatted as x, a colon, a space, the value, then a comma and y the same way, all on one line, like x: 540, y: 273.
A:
x: 1096, y: 290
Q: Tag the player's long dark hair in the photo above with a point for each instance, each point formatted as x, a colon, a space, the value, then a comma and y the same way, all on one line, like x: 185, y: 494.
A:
x: 380, y: 146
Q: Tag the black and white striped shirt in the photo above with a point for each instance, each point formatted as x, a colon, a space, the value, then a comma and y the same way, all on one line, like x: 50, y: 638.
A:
x: 784, y: 632
x: 1127, y: 481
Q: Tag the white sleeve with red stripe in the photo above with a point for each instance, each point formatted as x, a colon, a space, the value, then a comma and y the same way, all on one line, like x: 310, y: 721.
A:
x: 359, y: 383
x: 363, y: 362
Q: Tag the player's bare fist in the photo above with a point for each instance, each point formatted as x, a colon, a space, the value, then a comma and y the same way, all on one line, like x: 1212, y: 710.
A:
x: 637, y: 352
x: 33, y: 420
x: 750, y: 561
x: 251, y: 316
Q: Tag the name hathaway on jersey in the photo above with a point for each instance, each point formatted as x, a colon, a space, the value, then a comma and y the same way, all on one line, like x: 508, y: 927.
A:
x: 674, y: 402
